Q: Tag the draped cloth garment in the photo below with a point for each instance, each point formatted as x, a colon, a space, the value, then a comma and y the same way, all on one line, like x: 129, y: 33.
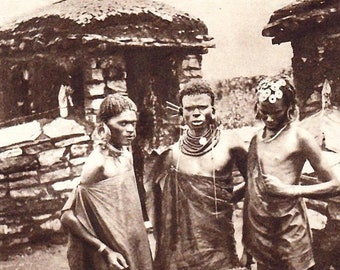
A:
x: 189, y: 231
x: 276, y: 231
x: 111, y: 211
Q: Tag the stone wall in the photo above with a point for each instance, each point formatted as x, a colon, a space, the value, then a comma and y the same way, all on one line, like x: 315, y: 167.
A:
x: 191, y: 69
x: 40, y: 163
x: 103, y: 76
x: 107, y: 75
x: 41, y: 160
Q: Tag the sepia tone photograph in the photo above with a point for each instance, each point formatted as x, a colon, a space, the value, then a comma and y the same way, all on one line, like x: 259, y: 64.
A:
x: 170, y: 135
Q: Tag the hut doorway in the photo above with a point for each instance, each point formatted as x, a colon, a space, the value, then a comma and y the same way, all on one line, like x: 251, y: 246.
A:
x: 29, y: 89
x: 151, y: 80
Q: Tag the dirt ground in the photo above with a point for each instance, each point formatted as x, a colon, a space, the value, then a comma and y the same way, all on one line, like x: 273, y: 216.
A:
x: 49, y: 256
x: 42, y: 257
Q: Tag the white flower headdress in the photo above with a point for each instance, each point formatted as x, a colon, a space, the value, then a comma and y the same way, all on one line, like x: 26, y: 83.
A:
x: 270, y: 90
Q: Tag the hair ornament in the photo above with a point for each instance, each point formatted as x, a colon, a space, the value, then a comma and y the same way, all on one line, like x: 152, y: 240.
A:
x: 278, y: 94
x: 272, y: 99
x: 270, y: 90
x: 101, y: 134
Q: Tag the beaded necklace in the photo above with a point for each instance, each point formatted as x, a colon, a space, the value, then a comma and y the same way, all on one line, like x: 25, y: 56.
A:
x: 199, y: 145
x: 113, y: 151
x: 277, y: 134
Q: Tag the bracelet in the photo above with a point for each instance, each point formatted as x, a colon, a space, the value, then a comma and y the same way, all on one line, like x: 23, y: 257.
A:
x: 101, y: 248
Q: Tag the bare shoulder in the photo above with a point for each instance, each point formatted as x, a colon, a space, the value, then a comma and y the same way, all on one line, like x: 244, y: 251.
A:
x: 303, y: 138
x: 93, y: 167
x: 234, y: 148
x: 301, y: 133
x: 96, y: 159
x: 167, y: 155
x: 98, y: 152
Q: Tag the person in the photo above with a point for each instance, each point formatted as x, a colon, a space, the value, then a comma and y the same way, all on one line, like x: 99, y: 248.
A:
x: 276, y: 231
x: 65, y: 98
x: 104, y: 214
x: 192, y: 189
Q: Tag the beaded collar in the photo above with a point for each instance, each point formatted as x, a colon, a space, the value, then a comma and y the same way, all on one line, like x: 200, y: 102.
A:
x: 199, y: 145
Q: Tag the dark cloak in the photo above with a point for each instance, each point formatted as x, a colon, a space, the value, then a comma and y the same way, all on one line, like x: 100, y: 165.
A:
x: 194, y: 228
x: 276, y: 231
x: 111, y: 211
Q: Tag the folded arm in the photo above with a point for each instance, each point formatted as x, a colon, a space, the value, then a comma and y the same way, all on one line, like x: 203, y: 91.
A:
x: 275, y: 186
x: 70, y: 221
x: 312, y: 152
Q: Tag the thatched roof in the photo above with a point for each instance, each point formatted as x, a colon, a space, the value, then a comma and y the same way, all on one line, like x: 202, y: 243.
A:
x: 127, y: 23
x: 302, y: 17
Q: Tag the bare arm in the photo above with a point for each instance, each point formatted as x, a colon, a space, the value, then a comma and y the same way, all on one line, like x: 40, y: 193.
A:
x: 275, y: 186
x: 92, y: 171
x: 239, y: 154
x: 69, y: 220
x: 313, y: 153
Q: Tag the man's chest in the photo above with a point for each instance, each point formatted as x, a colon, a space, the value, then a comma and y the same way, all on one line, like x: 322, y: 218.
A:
x: 116, y: 166
x: 213, y: 162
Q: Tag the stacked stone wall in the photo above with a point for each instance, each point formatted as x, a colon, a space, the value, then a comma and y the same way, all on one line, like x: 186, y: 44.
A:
x: 41, y: 160
x: 40, y: 163
x: 190, y: 69
x: 103, y: 76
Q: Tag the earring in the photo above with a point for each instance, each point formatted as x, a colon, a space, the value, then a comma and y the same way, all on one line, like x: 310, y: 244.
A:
x: 290, y: 112
x: 102, y: 133
x: 257, y: 113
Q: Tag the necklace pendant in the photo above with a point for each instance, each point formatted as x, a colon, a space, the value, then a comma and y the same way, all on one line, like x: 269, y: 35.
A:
x: 203, y: 141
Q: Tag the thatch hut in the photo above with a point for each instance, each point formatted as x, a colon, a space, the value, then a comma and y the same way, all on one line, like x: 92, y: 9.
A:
x: 313, y: 29
x: 141, y: 48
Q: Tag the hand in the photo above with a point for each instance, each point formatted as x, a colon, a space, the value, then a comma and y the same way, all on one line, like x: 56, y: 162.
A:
x: 274, y: 185
x: 246, y: 259
x: 238, y: 193
x: 115, y: 259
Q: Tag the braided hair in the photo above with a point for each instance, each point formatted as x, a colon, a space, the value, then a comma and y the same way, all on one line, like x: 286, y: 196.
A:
x: 113, y: 105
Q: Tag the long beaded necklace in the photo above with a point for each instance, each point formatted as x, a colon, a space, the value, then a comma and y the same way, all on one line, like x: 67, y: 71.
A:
x: 198, y: 146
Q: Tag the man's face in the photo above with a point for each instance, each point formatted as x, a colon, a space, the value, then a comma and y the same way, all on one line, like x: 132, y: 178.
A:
x: 274, y: 115
x: 123, y: 128
x: 197, y: 111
